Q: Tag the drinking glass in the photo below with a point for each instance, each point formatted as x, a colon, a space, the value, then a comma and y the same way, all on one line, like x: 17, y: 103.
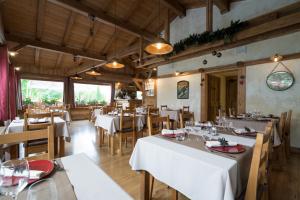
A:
x: 43, y: 189
x: 14, y: 175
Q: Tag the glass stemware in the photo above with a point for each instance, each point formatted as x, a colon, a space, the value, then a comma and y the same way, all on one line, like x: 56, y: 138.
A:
x: 44, y: 189
x: 14, y: 175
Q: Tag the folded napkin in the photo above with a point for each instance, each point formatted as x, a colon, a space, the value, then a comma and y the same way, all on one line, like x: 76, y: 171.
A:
x: 33, y: 174
x: 218, y: 144
x: 167, y: 132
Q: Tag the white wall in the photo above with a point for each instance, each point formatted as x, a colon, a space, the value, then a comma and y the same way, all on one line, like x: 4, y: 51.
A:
x: 260, y: 97
x: 167, y: 93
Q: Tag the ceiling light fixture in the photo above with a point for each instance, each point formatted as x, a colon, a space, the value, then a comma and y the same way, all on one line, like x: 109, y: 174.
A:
x: 276, y: 58
x: 13, y: 53
x: 177, y: 73
x: 17, y: 68
x: 93, y: 73
x: 159, y: 46
x: 114, y: 63
x: 76, y: 77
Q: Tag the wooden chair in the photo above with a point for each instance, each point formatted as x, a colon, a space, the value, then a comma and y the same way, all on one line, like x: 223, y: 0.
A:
x: 28, y: 136
x: 186, y: 109
x: 163, y: 107
x: 127, y: 129
x: 186, y: 116
x: 287, y: 132
x: 150, y: 106
x: 152, y: 111
x: 157, y: 123
x: 257, y: 187
x: 36, y: 146
x: 280, y: 150
x: 231, y: 112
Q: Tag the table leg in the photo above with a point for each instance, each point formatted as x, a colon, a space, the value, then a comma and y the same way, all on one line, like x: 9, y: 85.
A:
x: 145, y: 185
x: 112, y: 146
x: 14, y: 151
x: 55, y: 145
x: 99, y: 136
x: 61, y: 146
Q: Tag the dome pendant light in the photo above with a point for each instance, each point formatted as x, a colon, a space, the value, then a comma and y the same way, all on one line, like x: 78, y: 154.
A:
x: 93, y: 73
x: 76, y: 77
x: 114, y: 64
x: 159, y: 46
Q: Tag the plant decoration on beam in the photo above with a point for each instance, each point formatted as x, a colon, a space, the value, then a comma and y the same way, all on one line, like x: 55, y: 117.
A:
x: 196, y: 39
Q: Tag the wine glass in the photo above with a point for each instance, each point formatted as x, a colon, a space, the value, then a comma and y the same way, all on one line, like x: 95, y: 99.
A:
x: 43, y: 189
x: 14, y: 176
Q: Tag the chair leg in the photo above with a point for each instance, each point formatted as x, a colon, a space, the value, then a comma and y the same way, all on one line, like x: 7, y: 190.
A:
x: 151, y: 186
x: 112, y: 148
x: 120, y: 144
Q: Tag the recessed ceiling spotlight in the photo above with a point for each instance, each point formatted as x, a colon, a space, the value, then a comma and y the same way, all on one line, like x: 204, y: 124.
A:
x: 13, y: 53
x: 276, y: 58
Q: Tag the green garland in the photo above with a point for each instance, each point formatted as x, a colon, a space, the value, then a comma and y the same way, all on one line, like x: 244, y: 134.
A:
x: 225, y: 34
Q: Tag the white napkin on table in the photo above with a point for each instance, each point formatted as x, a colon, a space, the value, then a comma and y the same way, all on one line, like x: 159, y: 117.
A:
x: 167, y: 132
x: 218, y: 144
x: 242, y: 130
x: 33, y: 174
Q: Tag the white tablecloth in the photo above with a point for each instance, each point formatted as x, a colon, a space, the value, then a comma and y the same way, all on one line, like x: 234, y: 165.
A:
x: 195, y: 173
x: 89, y: 181
x: 96, y: 112
x: 61, y: 127
x: 112, y: 123
x: 173, y: 114
x: 67, y: 116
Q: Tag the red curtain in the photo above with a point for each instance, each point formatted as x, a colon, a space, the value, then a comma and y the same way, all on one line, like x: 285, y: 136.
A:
x: 12, y: 92
x: 4, y: 84
x: 8, y: 87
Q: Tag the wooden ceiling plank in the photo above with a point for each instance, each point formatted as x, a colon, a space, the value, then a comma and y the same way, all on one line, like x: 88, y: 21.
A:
x: 68, y: 28
x: 53, y: 47
x: 175, y: 6
x: 129, y: 14
x: 101, y: 16
x: 40, y: 19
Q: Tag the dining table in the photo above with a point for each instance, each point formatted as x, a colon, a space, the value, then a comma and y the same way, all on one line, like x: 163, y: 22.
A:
x: 191, y: 168
x: 258, y: 124
x: 77, y: 177
x: 61, y: 132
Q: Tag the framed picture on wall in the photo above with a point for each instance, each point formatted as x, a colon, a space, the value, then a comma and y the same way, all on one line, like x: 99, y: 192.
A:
x: 183, y: 90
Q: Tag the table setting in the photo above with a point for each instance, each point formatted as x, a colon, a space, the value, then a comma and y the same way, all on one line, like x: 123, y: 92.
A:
x: 57, y: 179
x: 221, y: 159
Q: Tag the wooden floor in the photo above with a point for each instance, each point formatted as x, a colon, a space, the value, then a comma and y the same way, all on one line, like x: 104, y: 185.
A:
x: 285, y: 182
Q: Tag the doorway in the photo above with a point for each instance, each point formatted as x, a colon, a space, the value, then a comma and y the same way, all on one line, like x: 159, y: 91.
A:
x: 222, y: 93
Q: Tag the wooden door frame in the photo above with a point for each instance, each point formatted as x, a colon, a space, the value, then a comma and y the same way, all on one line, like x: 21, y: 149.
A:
x: 241, y: 101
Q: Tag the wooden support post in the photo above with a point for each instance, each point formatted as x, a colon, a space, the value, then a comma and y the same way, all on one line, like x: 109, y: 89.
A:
x: 145, y: 185
x: 204, y: 94
x: 209, y: 16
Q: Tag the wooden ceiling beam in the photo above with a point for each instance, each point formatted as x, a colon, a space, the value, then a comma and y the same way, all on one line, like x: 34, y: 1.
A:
x: 101, y: 16
x: 209, y: 16
x: 59, y: 60
x: 37, y: 57
x: 223, y: 5
x: 40, y: 19
x: 18, y: 47
x: 175, y: 6
x: 53, y: 47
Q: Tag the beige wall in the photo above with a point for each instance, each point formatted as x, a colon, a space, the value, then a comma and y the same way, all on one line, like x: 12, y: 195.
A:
x: 167, y: 93
x: 260, y: 97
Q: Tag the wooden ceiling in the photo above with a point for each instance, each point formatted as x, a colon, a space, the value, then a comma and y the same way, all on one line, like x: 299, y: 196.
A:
x: 63, y: 37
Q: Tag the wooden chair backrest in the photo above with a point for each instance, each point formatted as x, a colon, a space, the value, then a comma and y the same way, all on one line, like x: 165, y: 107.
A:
x: 107, y: 109
x: 156, y: 124
x: 288, y: 124
x: 28, y: 126
x: 231, y: 112
x: 127, y: 122
x: 26, y: 136
x: 259, y: 164
x: 185, y: 109
x: 130, y: 108
x: 186, y: 116
x: 150, y: 106
x: 152, y: 111
x: 163, y: 107
x: 282, y: 122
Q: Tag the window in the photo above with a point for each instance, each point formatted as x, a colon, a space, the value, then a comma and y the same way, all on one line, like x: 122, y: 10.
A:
x: 47, y: 92
x: 88, y: 94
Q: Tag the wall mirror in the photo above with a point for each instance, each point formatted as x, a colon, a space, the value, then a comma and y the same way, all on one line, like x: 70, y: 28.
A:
x: 280, y: 80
